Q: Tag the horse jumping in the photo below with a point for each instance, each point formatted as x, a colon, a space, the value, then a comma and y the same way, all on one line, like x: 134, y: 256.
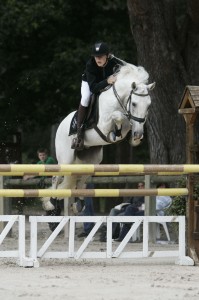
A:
x: 123, y: 108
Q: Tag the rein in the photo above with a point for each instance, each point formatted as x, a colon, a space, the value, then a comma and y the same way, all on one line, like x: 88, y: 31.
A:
x: 127, y: 112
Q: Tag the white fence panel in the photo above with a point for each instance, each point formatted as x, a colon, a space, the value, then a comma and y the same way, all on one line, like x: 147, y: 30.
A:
x: 20, y: 252
x: 112, y: 250
x: 119, y: 252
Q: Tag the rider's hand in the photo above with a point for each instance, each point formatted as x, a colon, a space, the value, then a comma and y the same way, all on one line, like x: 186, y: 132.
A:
x: 111, y: 79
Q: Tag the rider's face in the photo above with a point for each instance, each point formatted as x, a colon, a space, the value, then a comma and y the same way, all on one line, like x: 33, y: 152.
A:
x: 100, y: 60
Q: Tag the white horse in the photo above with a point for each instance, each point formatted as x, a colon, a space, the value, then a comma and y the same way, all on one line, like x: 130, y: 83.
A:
x: 123, y: 108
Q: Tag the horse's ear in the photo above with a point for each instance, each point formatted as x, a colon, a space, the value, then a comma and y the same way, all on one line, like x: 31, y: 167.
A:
x: 134, y: 87
x: 151, y: 86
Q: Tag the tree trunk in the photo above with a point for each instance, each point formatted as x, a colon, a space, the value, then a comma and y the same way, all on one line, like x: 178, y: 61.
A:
x: 154, y: 31
x: 191, y: 41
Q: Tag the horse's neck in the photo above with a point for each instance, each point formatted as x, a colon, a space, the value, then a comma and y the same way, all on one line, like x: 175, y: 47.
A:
x: 109, y: 107
x: 107, y: 103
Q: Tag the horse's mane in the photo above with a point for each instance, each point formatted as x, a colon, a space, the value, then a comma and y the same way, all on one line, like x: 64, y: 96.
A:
x: 139, y: 74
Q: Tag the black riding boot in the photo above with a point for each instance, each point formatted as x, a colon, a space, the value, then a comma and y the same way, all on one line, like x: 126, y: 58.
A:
x: 78, y: 142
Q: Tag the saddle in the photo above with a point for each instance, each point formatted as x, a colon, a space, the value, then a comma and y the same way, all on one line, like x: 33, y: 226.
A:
x: 92, y: 116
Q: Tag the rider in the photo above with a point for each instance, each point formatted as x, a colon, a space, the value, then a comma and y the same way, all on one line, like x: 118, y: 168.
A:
x: 99, y: 73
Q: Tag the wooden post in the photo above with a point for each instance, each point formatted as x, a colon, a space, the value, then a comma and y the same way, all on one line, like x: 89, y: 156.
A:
x: 190, y: 211
x: 150, y: 210
x: 66, y: 213
x: 189, y: 108
x: 1, y: 203
x: 190, y: 218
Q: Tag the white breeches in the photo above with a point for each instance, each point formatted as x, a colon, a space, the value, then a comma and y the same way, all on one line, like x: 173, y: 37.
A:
x: 85, y: 94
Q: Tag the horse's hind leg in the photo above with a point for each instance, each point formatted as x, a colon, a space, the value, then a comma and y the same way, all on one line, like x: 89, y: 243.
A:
x: 55, y: 212
x: 69, y: 182
x: 52, y: 205
x: 46, y: 201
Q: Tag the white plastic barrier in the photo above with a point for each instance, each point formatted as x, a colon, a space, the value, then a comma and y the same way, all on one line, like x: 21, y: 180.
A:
x: 20, y: 252
x: 69, y: 243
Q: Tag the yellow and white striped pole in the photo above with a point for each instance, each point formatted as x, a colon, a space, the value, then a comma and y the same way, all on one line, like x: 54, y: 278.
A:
x: 93, y: 192
x: 78, y: 169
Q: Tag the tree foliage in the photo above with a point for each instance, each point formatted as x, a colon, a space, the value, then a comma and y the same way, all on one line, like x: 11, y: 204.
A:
x: 44, y: 45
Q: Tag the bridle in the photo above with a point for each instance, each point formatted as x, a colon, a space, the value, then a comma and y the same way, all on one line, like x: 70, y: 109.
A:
x: 126, y: 110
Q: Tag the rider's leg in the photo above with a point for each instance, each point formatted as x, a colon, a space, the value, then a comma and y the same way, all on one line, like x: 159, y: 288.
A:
x: 82, y: 110
x: 78, y: 143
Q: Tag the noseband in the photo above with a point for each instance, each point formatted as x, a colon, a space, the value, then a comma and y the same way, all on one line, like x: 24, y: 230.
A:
x: 127, y: 112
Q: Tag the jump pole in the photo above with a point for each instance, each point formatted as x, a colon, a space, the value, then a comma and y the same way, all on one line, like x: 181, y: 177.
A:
x: 122, y: 169
x: 96, y: 174
x: 92, y: 192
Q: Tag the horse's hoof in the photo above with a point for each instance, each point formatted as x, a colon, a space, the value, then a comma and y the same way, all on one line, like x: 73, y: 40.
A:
x: 135, y: 142
x: 48, y: 206
x: 53, y: 226
x: 55, y: 212
x: 118, y: 132
x: 111, y: 137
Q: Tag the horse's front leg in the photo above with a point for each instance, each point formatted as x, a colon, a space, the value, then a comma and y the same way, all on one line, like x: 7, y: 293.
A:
x: 116, y: 133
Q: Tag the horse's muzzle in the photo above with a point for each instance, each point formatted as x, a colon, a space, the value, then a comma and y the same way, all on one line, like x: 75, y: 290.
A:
x: 136, y: 139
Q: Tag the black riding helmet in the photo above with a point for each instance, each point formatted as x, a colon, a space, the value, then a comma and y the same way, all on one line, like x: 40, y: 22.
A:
x: 100, y: 49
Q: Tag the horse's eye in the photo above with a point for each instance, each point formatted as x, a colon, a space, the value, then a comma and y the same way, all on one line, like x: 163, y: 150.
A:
x: 134, y: 104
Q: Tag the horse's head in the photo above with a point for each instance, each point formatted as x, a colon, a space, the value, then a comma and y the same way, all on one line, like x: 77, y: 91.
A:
x: 137, y: 106
x: 134, y: 98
